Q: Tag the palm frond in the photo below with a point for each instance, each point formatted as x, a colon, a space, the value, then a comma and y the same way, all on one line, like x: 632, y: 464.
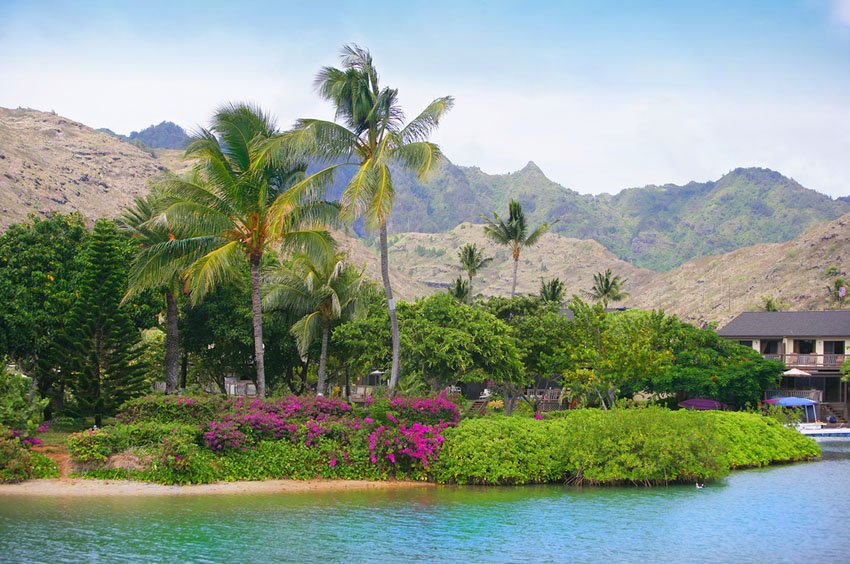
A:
x: 421, y: 156
x: 426, y: 122
x: 217, y: 266
x: 305, y: 330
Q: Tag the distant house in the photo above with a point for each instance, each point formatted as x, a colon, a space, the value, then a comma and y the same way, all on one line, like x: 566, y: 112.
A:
x: 811, y: 341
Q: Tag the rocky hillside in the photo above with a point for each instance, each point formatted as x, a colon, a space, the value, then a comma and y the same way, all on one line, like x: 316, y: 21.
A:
x: 50, y: 163
x: 718, y: 288
x: 431, y: 258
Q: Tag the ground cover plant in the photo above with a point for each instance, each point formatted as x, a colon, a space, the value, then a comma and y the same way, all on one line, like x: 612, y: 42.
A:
x: 204, y: 439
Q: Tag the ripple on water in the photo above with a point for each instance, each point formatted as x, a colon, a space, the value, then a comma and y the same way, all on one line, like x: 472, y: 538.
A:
x: 778, y: 514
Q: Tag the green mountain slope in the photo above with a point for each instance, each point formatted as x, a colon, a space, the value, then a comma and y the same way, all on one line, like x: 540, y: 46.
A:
x: 657, y: 227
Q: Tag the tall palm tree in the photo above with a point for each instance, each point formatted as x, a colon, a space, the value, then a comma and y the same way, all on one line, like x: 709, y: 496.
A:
x: 325, y: 290
x: 471, y: 261
x: 371, y: 136
x: 608, y: 287
x: 552, y: 291
x: 238, y: 201
x: 513, y: 233
x: 137, y: 223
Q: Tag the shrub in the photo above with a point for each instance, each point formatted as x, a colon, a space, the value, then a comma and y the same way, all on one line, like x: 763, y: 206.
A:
x: 429, y: 411
x: 17, y: 463
x: 637, y: 446
x: 192, y: 410
x: 96, y: 445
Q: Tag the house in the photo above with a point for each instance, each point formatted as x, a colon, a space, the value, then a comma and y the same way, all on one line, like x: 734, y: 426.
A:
x: 812, y: 341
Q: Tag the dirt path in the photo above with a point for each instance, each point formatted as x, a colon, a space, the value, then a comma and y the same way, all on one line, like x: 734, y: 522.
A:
x: 60, y: 456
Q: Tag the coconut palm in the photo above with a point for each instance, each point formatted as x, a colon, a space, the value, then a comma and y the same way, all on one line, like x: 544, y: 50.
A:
x: 371, y: 135
x: 137, y: 223
x: 471, y: 261
x: 238, y: 201
x: 325, y: 290
x: 513, y: 233
x: 552, y: 291
x: 608, y: 287
x: 459, y: 290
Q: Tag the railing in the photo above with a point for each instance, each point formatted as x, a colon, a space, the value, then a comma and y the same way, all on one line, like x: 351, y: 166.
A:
x: 809, y: 360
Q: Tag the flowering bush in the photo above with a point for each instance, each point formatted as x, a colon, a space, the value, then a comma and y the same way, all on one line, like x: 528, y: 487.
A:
x: 224, y: 435
x: 432, y: 411
x: 91, y: 446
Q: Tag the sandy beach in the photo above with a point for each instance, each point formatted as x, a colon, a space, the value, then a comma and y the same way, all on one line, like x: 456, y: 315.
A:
x: 90, y: 488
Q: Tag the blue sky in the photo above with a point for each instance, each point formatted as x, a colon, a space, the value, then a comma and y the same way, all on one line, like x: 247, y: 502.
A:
x: 601, y: 95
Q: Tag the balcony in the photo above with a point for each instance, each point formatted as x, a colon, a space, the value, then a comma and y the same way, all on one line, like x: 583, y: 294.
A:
x: 796, y: 360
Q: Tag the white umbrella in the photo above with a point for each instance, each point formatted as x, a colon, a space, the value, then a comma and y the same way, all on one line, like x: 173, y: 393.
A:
x: 796, y: 372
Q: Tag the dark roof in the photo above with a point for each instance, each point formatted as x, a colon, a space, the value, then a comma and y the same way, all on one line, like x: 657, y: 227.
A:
x: 763, y: 324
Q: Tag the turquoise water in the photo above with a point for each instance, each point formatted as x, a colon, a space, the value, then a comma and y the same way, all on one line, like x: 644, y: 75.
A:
x: 780, y: 514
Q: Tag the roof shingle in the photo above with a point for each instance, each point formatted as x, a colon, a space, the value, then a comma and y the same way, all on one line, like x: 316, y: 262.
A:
x: 762, y: 324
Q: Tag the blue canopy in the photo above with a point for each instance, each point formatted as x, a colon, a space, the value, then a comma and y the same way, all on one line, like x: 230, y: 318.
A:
x: 791, y: 402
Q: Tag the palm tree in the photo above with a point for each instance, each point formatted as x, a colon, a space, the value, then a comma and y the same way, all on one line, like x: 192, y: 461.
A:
x: 472, y: 260
x: 459, y: 290
x: 552, y: 291
x: 137, y: 223
x: 239, y: 200
x: 325, y: 290
x: 372, y: 136
x: 514, y: 233
x: 607, y: 287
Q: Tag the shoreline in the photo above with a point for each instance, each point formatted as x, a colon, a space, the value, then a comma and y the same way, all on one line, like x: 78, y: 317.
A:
x: 80, y: 487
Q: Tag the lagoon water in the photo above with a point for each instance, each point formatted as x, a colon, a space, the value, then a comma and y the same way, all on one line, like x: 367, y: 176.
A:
x: 788, y: 513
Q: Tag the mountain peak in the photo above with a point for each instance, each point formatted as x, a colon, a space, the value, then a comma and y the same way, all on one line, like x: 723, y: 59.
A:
x: 531, y: 167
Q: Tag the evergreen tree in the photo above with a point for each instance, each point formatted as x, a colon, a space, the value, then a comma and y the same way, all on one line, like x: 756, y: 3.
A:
x: 102, y: 348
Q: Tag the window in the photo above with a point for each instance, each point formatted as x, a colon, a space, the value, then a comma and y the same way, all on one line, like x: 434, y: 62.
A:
x: 804, y: 346
x: 746, y: 343
x: 770, y: 346
x: 833, y: 347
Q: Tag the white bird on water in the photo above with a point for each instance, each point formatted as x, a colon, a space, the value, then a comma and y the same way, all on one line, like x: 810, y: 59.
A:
x: 700, y: 486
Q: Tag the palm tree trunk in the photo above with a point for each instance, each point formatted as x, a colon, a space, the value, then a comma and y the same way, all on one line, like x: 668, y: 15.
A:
x: 257, y: 311
x: 172, y: 343
x: 323, y: 359
x: 469, y: 289
x: 385, y: 275
x: 513, y: 286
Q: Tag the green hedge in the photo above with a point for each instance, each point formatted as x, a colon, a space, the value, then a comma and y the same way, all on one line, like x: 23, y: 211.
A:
x: 190, y: 410
x: 629, y: 446
x: 96, y: 445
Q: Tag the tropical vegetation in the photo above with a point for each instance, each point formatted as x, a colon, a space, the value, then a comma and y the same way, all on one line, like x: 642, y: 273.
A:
x: 514, y: 233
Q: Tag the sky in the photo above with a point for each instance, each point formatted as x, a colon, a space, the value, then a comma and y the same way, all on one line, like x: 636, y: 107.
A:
x: 602, y: 96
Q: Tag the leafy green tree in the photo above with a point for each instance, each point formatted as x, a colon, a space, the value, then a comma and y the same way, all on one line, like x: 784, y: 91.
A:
x: 608, y: 287
x: 101, y: 346
x: 552, y: 291
x: 460, y: 290
x: 705, y: 365
x: 604, y: 352
x: 472, y: 260
x: 372, y: 135
x: 514, y: 233
x: 18, y: 409
x: 38, y: 263
x: 138, y: 223
x: 217, y: 339
x: 445, y: 342
x: 241, y: 198
x: 325, y: 290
